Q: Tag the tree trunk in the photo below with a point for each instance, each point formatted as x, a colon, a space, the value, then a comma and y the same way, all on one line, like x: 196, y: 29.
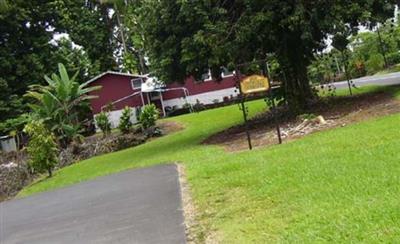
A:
x: 294, y: 63
x: 120, y: 29
x: 50, y: 172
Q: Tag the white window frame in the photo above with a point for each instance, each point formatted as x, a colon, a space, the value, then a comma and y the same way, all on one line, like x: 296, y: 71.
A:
x: 132, y: 83
x: 229, y: 75
x: 210, y: 77
x: 205, y: 80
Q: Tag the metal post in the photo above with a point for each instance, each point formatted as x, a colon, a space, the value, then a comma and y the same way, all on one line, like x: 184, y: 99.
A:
x: 347, y: 73
x: 266, y: 74
x: 243, y: 108
x: 162, y: 103
x: 141, y: 97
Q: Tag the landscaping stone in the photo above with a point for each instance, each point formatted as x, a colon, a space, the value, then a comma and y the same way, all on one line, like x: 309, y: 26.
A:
x: 13, y: 177
x: 91, y: 148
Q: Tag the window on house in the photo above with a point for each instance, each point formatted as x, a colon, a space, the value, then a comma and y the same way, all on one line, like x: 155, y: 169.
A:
x: 136, y: 83
x: 205, y: 77
x: 226, y: 72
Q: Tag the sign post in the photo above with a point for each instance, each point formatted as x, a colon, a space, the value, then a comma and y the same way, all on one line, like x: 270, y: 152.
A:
x: 254, y: 84
x: 272, y: 100
x: 250, y: 84
x: 243, y: 107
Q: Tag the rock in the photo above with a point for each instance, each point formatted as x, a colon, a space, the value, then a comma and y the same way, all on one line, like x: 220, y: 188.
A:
x: 321, y: 120
x: 92, y: 148
x: 13, y: 178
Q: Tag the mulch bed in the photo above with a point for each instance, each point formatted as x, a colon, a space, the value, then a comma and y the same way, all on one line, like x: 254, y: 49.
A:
x: 336, y: 112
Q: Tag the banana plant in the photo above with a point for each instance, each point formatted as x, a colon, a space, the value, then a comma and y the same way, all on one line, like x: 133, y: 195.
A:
x: 56, y: 103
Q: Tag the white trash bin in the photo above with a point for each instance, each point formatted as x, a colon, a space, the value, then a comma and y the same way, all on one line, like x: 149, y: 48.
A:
x: 8, y: 144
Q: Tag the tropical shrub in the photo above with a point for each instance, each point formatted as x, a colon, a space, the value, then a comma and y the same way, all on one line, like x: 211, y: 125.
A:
x: 393, y: 58
x: 149, y: 116
x: 125, y: 124
x: 13, y: 124
x: 103, y: 122
x: 58, y: 104
x: 42, y: 147
x: 375, y: 63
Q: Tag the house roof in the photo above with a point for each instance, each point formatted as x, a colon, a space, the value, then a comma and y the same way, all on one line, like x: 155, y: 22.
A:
x: 114, y: 73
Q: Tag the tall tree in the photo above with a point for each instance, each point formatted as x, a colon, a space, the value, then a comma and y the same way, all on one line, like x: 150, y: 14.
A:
x: 75, y: 59
x: 25, y: 33
x: 187, y: 37
x: 28, y: 52
x: 129, y: 33
x: 89, y: 25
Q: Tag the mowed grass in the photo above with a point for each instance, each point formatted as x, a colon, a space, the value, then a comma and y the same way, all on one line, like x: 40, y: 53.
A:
x: 341, y: 185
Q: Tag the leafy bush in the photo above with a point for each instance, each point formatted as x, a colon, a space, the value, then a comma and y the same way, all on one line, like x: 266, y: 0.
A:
x: 149, y: 116
x: 58, y: 103
x: 198, y: 106
x: 374, y: 63
x: 125, y: 124
x: 103, y: 122
x: 42, y: 147
x: 393, y: 58
x: 14, y: 124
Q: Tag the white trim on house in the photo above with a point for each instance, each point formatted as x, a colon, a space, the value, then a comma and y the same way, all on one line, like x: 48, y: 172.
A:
x: 114, y: 73
x: 114, y: 117
x: 205, y: 98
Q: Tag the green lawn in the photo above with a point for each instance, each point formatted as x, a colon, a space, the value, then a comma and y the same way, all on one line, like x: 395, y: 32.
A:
x: 341, y: 185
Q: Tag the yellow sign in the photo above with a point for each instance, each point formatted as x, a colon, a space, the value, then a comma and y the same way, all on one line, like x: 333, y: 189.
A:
x: 254, y: 83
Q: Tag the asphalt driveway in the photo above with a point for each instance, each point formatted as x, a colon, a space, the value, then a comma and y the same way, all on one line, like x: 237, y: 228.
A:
x: 135, y: 206
x: 376, y: 80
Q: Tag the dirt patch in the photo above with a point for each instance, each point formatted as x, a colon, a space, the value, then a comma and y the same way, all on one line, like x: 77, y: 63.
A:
x: 168, y: 127
x: 336, y: 112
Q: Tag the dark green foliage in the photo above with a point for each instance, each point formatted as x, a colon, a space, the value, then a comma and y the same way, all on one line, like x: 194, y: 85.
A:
x: 76, y: 60
x: 188, y: 37
x: 149, y: 116
x: 24, y: 50
x: 89, y: 25
x: 28, y: 51
x: 393, y: 58
x: 125, y: 124
x: 103, y: 122
x: 58, y: 104
x: 42, y: 147
x: 138, y: 111
x: 375, y: 63
x: 14, y: 125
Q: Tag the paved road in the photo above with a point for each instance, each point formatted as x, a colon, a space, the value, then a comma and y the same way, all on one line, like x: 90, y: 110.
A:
x: 388, y: 79
x: 135, y: 206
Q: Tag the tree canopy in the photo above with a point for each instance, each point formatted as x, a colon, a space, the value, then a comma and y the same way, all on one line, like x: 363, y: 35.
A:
x: 179, y: 38
x: 188, y: 37
x: 28, y: 50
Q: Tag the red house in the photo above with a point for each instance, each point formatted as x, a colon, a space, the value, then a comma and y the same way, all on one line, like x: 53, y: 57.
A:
x: 121, y: 89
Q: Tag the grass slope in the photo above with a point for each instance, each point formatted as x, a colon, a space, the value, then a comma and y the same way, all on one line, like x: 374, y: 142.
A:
x: 340, y: 185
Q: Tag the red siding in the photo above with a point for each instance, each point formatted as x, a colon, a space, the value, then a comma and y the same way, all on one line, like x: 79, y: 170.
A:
x: 195, y: 88
x: 114, y: 87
